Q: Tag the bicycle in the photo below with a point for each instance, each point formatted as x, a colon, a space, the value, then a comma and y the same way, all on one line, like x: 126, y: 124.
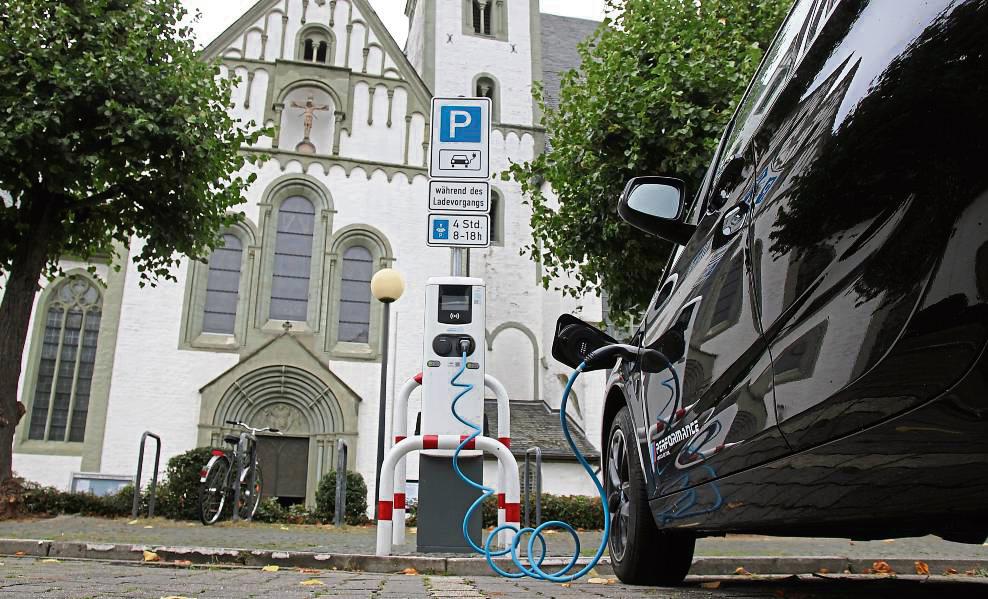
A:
x: 218, y: 483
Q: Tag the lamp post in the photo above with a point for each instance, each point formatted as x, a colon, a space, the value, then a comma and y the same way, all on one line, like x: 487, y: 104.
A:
x: 387, y: 287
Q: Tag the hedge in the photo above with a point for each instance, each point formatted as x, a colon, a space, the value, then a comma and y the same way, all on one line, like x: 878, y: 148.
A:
x: 51, y: 501
x: 355, y: 512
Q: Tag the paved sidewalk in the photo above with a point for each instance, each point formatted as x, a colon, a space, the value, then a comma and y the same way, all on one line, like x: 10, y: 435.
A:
x: 25, y: 577
x: 361, y: 540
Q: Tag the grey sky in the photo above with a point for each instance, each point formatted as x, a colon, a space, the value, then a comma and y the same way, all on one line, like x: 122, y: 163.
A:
x: 217, y: 15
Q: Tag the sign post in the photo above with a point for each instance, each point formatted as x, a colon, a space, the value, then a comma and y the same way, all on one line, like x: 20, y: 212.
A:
x: 459, y: 171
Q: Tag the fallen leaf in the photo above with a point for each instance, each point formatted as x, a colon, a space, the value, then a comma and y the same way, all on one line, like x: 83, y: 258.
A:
x: 882, y: 568
x: 308, y: 571
x: 949, y: 572
x: 410, y: 572
x: 922, y: 568
x: 889, y: 541
x: 270, y: 569
x: 184, y: 563
x: 970, y: 573
x: 740, y: 571
x: 133, y: 522
x: 148, y: 526
x: 50, y: 561
x: 177, y: 597
x: 710, y: 585
x: 285, y: 528
x: 20, y: 553
x: 597, y: 581
x: 150, y: 556
x: 868, y: 571
x: 312, y: 582
x: 823, y: 571
x: 566, y: 585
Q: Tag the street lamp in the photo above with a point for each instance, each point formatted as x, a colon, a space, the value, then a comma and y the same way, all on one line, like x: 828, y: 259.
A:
x: 387, y: 287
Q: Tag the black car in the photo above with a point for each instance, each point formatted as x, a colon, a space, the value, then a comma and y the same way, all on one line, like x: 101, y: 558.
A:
x: 826, y: 313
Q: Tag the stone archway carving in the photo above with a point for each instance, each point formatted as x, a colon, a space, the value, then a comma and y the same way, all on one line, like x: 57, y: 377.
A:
x: 285, y: 397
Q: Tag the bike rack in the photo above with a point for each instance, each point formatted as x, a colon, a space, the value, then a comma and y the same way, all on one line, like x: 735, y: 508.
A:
x: 154, y: 477
x: 526, y: 497
x: 341, y: 474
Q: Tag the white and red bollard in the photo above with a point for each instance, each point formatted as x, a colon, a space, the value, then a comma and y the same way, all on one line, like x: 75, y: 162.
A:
x: 385, y: 506
x: 393, y: 473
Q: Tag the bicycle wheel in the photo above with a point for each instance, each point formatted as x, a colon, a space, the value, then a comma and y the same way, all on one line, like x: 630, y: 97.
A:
x: 213, y: 490
x: 250, y: 495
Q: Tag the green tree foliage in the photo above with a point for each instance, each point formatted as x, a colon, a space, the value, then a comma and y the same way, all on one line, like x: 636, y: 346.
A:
x: 112, y: 130
x: 655, y: 90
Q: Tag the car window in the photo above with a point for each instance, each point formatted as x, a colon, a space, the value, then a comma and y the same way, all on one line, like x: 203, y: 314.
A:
x: 800, y: 28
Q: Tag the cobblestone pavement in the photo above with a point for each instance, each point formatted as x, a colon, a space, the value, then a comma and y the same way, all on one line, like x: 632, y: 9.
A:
x: 25, y: 577
x: 362, y: 539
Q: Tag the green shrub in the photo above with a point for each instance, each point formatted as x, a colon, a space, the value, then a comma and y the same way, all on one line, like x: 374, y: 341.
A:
x: 178, y: 495
x: 580, y: 511
x: 355, y: 512
x: 269, y: 510
x: 299, y: 514
x: 51, y: 501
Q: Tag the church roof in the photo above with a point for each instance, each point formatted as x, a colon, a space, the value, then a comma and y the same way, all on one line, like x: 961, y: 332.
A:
x: 560, y: 38
x: 534, y: 424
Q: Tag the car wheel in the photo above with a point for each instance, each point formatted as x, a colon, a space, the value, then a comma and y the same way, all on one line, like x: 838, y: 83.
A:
x: 640, y: 552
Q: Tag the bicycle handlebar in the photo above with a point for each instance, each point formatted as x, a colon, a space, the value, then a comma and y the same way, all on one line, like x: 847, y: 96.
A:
x: 254, y: 430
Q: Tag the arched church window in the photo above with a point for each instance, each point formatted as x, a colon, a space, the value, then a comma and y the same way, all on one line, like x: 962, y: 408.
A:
x: 223, y: 287
x: 355, y: 295
x: 68, y: 353
x: 315, y: 45
x: 486, y: 87
x: 292, y: 260
x: 482, y: 16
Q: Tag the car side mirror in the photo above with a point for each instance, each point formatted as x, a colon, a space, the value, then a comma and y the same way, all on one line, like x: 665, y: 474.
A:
x: 657, y: 205
x: 575, y: 340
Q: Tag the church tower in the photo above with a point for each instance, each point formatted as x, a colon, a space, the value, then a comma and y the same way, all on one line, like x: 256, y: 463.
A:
x: 488, y: 48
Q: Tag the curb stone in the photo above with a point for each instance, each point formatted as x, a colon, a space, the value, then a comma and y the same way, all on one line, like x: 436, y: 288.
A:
x: 450, y: 566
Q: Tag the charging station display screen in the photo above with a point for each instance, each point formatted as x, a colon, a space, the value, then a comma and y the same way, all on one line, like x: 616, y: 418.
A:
x: 454, y: 304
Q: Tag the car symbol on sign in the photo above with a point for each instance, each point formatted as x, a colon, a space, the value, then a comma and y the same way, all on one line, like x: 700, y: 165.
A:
x: 460, y: 160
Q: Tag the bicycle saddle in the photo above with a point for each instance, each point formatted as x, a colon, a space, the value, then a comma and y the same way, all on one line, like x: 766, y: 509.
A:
x: 232, y: 439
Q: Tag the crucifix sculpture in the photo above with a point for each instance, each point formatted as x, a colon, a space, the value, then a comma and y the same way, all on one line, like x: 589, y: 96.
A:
x: 309, y: 110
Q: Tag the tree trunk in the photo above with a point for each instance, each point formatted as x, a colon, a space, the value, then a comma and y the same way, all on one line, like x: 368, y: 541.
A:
x: 15, y: 316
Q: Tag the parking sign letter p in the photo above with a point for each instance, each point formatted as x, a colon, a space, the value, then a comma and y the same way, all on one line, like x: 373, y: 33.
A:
x: 460, y: 124
x: 458, y: 119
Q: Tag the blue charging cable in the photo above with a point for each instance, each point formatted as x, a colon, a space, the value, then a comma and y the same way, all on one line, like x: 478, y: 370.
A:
x: 533, y: 569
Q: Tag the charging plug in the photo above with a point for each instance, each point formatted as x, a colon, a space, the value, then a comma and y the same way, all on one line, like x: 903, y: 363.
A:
x: 464, y: 345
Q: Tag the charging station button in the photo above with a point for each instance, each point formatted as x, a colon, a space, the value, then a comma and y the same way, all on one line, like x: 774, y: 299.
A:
x: 473, y: 366
x: 433, y: 363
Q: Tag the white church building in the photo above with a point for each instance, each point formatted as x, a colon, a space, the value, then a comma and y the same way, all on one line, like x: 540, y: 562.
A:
x: 279, y: 328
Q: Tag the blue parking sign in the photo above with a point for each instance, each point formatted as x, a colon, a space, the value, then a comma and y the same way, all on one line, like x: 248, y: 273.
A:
x: 460, y: 124
x: 440, y: 229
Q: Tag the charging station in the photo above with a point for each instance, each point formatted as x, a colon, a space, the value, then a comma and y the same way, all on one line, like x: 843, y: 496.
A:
x: 455, y: 325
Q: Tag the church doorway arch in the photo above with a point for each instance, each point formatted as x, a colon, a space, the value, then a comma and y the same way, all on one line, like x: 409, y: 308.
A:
x: 304, y: 406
